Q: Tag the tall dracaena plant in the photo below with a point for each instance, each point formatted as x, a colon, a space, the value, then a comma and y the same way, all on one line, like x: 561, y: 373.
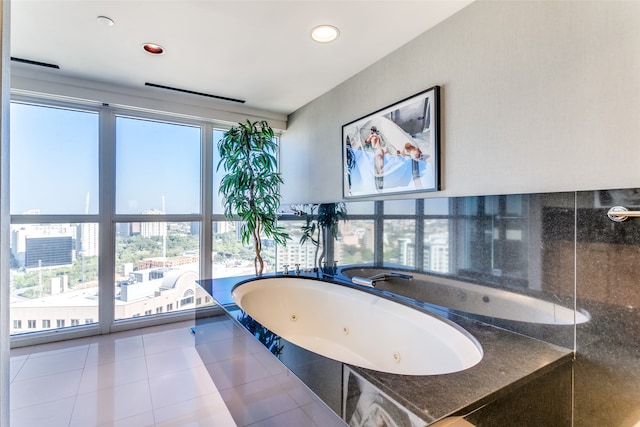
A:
x: 251, y: 184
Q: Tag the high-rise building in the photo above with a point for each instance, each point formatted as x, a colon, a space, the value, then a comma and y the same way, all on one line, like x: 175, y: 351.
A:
x: 151, y: 229
x: 87, y: 244
x: 50, y: 251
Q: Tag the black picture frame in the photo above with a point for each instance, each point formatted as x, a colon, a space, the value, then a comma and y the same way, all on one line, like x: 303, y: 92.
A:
x: 394, y: 150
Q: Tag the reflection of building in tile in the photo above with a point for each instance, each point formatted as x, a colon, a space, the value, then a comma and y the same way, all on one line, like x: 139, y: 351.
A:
x: 436, y: 252
x: 351, y: 240
x: 406, y: 251
x: 368, y: 240
x: 295, y: 253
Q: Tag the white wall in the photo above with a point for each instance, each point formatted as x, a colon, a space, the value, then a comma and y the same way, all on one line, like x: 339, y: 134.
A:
x: 536, y: 97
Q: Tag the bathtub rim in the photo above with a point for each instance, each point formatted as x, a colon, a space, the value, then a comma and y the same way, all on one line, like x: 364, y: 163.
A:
x: 399, y: 299
x: 541, y: 296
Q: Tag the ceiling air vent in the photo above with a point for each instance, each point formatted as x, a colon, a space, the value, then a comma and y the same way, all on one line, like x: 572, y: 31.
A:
x: 224, y: 98
x: 38, y: 63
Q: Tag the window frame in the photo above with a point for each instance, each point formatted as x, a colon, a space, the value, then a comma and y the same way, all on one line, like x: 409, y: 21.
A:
x: 107, y: 218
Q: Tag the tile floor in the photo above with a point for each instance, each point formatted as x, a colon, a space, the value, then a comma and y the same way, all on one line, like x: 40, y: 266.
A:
x: 157, y: 377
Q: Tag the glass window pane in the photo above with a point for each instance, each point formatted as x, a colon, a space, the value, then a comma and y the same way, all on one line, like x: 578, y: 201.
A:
x: 355, y: 244
x: 233, y: 258
x: 157, y: 167
x: 54, y: 275
x: 400, y: 207
x: 437, y: 206
x: 157, y: 264
x: 305, y: 255
x: 516, y: 205
x: 436, y: 245
x: 398, y: 239
x: 54, y: 160
x: 360, y: 208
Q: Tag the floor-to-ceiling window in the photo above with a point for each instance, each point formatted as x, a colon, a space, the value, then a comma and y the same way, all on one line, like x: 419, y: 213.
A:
x: 54, y: 225
x: 157, y: 245
x: 106, y: 215
x: 114, y: 215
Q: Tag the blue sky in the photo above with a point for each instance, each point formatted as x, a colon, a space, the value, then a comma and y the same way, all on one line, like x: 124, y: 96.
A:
x: 54, y: 163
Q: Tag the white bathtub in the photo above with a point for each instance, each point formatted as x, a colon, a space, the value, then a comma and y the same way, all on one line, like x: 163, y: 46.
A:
x: 356, y: 327
x: 476, y: 299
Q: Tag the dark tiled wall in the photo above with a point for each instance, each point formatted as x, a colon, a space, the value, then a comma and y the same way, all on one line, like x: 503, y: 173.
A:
x: 576, y: 255
x: 607, y: 367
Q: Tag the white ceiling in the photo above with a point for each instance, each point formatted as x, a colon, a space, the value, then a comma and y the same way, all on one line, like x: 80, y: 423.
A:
x: 257, y: 51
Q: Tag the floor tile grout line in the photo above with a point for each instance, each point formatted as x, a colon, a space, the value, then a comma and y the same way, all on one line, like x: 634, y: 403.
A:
x: 146, y: 367
x: 75, y: 400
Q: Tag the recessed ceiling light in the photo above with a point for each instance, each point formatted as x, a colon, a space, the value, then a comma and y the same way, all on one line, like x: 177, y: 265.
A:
x: 105, y: 21
x: 153, y: 49
x: 324, y: 33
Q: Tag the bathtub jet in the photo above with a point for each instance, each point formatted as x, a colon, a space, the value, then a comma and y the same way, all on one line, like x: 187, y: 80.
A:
x: 356, y: 327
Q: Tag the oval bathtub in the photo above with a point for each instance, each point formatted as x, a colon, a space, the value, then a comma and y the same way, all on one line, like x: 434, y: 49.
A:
x: 474, y: 299
x: 359, y: 328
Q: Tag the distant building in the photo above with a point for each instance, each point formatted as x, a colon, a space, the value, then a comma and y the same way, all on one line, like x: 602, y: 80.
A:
x: 62, y: 237
x: 406, y: 251
x: 436, y: 253
x: 173, y: 290
x: 152, y: 229
x: 48, y: 251
x: 88, y: 238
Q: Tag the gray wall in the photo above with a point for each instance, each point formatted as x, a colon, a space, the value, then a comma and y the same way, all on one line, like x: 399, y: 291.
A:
x: 536, y: 97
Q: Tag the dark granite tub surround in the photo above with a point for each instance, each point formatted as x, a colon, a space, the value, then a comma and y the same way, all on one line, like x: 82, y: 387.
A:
x: 607, y: 368
x: 471, y: 298
x: 510, y: 361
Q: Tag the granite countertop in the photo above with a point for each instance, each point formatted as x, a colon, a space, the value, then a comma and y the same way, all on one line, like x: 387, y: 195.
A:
x: 510, y: 360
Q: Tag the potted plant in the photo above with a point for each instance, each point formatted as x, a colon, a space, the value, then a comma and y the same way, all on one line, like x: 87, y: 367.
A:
x: 251, y: 184
x: 318, y: 228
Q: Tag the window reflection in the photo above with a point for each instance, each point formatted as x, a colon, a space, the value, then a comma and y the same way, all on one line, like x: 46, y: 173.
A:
x: 436, y: 245
x: 356, y: 242
x: 305, y: 255
x: 492, y: 239
x: 399, y: 241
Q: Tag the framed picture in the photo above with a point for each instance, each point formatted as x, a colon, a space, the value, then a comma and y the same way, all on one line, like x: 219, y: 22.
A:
x: 395, y: 149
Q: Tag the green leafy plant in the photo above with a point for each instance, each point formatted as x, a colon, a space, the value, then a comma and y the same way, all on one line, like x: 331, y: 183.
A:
x: 318, y: 228
x: 251, y: 184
